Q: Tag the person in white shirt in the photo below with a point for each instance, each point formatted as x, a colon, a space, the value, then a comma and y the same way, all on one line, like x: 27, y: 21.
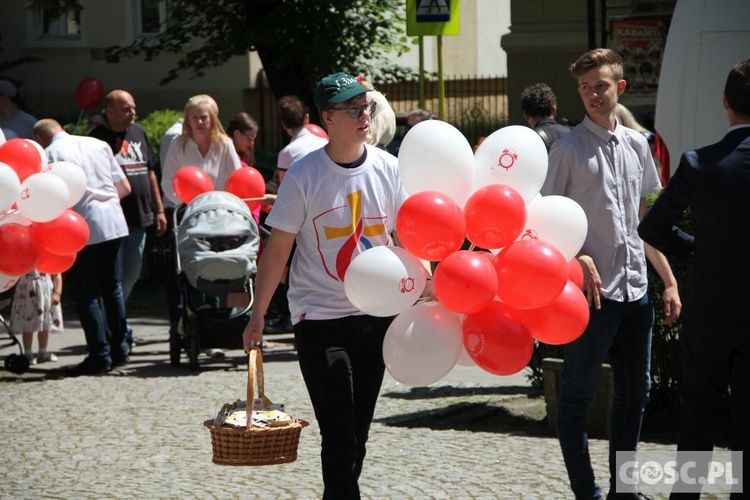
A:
x: 324, y: 202
x: 203, y: 144
x: 94, y: 279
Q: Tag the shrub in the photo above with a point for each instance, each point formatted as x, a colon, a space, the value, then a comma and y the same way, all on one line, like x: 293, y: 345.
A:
x: 156, y: 123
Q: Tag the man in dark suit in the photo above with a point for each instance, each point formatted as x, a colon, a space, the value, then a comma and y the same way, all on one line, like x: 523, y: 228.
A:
x: 539, y: 106
x: 714, y: 183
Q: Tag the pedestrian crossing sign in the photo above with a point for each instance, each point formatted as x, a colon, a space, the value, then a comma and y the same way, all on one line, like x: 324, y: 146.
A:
x: 432, y: 17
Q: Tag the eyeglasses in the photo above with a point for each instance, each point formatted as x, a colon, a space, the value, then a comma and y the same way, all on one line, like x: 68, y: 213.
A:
x: 251, y: 137
x: 356, y: 111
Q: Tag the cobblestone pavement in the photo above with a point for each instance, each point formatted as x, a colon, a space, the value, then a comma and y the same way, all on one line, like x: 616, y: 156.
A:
x: 137, y: 432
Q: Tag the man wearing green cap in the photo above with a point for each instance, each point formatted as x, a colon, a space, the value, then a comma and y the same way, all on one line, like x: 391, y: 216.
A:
x: 336, y: 202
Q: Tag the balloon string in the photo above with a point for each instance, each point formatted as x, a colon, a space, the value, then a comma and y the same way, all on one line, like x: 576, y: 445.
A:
x: 80, y: 115
x: 472, y: 247
x: 253, y: 199
x: 8, y: 214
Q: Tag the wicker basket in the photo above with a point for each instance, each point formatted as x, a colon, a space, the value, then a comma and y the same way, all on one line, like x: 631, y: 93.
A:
x: 255, y: 445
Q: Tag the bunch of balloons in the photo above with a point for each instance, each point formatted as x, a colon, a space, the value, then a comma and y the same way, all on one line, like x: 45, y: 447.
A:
x: 247, y: 183
x: 38, y: 229
x: 518, y: 280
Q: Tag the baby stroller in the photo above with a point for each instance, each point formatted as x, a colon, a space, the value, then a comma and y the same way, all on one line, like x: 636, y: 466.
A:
x: 217, y: 244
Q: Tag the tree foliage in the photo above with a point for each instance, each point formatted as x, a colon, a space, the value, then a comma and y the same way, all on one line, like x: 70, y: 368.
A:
x: 298, y: 41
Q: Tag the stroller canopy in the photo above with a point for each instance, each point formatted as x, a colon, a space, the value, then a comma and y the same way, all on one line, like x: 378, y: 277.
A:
x: 217, y: 243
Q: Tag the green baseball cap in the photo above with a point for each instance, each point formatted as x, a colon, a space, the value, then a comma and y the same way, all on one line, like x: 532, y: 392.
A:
x: 338, y: 87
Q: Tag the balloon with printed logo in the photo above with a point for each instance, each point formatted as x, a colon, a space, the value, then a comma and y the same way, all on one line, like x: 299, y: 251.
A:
x: 73, y: 176
x: 575, y: 272
x: 530, y: 273
x: 43, y: 197
x: 558, y: 220
x: 317, y: 130
x: 66, y: 234
x: 22, y: 155
x: 247, y: 183
x: 514, y: 155
x: 495, y: 216
x: 431, y: 225
x: 561, y: 321
x: 10, y: 187
x: 89, y: 93
x: 465, y: 282
x: 7, y: 282
x: 190, y: 181
x: 435, y: 156
x: 18, y: 253
x: 497, y: 339
x: 51, y: 263
x: 422, y: 344
x: 384, y: 281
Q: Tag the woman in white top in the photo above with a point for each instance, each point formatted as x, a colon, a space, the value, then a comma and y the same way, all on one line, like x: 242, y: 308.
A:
x: 203, y: 144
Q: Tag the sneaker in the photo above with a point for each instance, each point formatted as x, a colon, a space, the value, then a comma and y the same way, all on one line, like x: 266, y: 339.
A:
x: 30, y: 357
x: 214, y: 353
x: 89, y: 366
x: 45, y: 357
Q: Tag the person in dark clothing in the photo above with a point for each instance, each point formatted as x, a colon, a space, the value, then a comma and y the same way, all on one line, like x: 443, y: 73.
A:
x: 539, y: 106
x: 713, y: 183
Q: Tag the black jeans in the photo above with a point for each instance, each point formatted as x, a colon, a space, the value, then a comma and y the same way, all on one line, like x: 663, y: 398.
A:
x: 342, y: 364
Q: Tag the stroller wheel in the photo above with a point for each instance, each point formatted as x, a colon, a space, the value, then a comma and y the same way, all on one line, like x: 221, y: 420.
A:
x: 175, y: 349
x: 17, y: 363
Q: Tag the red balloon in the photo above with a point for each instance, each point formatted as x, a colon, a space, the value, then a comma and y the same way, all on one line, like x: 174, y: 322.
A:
x: 498, y: 339
x: 530, y: 273
x: 317, y: 130
x: 575, y: 272
x: 495, y: 216
x: 247, y: 182
x: 67, y: 234
x: 23, y: 156
x: 89, y: 93
x: 561, y: 321
x: 431, y: 225
x: 18, y: 254
x: 190, y: 181
x: 51, y: 263
x: 465, y: 282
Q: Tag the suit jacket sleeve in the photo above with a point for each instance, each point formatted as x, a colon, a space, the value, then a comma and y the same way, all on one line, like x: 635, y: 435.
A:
x: 659, y: 227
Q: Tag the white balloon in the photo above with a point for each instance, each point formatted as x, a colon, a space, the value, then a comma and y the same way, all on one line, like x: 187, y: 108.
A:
x: 15, y: 217
x: 435, y: 156
x: 558, y: 220
x: 384, y: 281
x: 422, y: 344
x: 514, y: 155
x: 10, y: 187
x: 7, y: 282
x: 43, y: 197
x: 74, y: 177
x: 464, y: 359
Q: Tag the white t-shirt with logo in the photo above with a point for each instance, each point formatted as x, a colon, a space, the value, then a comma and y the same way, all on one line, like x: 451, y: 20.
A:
x: 302, y: 143
x: 336, y: 213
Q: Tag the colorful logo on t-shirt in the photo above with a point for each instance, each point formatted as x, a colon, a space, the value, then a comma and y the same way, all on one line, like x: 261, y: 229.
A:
x: 345, y: 237
x: 131, y: 158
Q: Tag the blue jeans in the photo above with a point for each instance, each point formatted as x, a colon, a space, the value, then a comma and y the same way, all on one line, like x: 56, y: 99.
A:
x: 94, y: 283
x: 131, y: 258
x: 622, y: 330
x: 342, y: 363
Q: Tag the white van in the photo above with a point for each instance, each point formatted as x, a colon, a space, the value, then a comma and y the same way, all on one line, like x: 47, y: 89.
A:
x: 706, y: 38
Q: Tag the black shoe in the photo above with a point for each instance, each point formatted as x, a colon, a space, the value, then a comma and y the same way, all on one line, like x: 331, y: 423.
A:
x: 120, y: 360
x: 89, y: 366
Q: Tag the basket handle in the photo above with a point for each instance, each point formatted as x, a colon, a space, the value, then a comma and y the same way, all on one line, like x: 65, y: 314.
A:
x: 254, y: 378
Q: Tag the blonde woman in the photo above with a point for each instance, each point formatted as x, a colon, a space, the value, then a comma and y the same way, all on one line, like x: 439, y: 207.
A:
x: 203, y: 143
